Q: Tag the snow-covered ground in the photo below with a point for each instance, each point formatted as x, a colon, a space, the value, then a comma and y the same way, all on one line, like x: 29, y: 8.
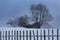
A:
x: 4, y: 27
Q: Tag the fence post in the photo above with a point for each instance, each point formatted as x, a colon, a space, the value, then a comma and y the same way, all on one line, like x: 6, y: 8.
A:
x: 0, y: 35
x: 23, y: 34
x: 30, y: 34
x: 33, y: 35
x: 27, y: 35
x: 6, y: 35
x: 57, y: 34
x: 20, y: 35
x: 44, y: 35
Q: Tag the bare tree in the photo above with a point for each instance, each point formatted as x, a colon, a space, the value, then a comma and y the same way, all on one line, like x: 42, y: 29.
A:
x: 21, y: 21
x: 40, y: 14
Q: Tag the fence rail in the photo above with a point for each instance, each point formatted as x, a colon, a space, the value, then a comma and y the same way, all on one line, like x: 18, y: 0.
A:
x: 49, y: 34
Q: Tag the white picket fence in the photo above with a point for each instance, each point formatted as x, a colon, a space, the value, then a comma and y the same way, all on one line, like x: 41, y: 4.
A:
x: 39, y: 34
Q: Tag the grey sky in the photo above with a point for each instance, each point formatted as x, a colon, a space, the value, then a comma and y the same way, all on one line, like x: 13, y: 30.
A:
x: 11, y: 9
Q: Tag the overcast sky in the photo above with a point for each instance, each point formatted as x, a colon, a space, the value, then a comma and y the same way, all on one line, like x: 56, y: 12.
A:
x: 11, y: 9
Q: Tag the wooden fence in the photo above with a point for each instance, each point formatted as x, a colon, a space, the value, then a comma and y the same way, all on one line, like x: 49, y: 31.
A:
x: 49, y: 34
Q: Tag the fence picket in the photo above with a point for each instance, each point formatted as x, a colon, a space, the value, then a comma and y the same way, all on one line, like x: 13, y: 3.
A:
x: 23, y: 35
x: 20, y: 35
x: 40, y: 34
x: 3, y: 35
x: 17, y: 35
x: 12, y: 35
x: 27, y: 35
x: 30, y: 34
x: 33, y: 35
x: 44, y: 35
x: 48, y: 34
x: 57, y: 34
x: 52, y: 35
x: 37, y: 34
x: 6, y: 35
x: 0, y: 35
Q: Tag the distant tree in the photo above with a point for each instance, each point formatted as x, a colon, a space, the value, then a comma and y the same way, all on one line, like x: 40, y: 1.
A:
x: 12, y: 23
x: 22, y: 21
x: 40, y: 14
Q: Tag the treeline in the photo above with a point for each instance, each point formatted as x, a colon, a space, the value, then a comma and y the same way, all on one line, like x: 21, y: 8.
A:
x: 39, y: 16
